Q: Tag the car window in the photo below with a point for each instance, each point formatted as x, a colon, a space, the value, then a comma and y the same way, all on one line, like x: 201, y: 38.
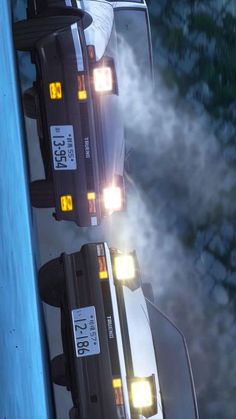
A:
x: 132, y: 24
x: 175, y: 377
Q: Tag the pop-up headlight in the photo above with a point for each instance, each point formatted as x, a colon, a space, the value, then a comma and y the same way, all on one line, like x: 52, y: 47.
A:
x: 102, y: 77
x: 143, y: 396
x: 124, y: 266
x: 112, y: 198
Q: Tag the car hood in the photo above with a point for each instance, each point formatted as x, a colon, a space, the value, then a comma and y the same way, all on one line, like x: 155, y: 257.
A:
x: 101, y: 33
x: 112, y: 137
x: 141, y: 343
x: 112, y: 125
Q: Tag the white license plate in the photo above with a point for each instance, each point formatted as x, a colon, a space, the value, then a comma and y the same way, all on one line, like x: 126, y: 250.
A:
x: 63, y: 147
x: 85, y: 331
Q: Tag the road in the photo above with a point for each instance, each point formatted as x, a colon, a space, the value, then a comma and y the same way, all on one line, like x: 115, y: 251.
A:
x: 25, y: 389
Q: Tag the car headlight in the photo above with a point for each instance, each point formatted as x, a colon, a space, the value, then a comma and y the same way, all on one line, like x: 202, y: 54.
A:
x: 143, y: 395
x: 124, y: 266
x: 102, y: 77
x: 112, y: 198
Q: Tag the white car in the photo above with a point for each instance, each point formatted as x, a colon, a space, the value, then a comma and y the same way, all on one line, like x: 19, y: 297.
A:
x: 75, y: 100
x: 122, y: 359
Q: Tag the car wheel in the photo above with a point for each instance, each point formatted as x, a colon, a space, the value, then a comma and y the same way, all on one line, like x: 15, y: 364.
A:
x: 58, y: 370
x: 68, y: 11
x: 51, y: 282
x: 27, y: 32
x: 29, y: 103
x: 148, y: 291
x: 41, y: 194
x: 74, y: 413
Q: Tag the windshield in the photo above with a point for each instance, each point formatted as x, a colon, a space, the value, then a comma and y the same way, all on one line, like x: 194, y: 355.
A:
x: 132, y: 25
x: 176, y: 383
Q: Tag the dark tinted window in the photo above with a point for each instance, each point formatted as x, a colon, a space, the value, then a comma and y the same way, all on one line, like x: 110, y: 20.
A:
x: 178, y: 395
x: 133, y: 26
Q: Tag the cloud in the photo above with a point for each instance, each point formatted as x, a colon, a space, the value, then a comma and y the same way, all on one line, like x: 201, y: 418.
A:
x: 179, y: 180
x: 178, y: 158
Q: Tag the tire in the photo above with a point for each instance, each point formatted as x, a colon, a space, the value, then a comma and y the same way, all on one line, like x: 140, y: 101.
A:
x: 41, y: 194
x: 74, y: 413
x: 29, y: 103
x: 27, y: 32
x: 58, y: 370
x: 68, y: 11
x: 51, y: 282
x: 148, y: 291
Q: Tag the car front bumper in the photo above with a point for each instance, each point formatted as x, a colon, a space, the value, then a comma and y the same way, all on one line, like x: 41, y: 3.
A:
x: 90, y: 376
x: 62, y: 57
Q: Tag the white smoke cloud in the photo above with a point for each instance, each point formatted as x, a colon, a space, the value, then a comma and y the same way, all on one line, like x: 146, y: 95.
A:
x: 182, y: 160
x: 182, y: 174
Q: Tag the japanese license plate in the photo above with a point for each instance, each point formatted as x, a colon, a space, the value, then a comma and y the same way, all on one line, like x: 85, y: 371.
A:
x: 85, y: 331
x: 63, y: 147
